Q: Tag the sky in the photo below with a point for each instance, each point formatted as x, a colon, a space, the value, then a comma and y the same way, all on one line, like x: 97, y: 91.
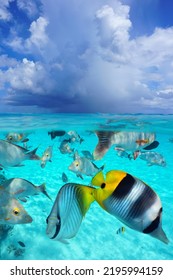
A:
x: 86, y: 56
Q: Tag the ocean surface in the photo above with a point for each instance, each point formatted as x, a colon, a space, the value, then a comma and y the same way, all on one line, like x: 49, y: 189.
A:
x: 97, y: 238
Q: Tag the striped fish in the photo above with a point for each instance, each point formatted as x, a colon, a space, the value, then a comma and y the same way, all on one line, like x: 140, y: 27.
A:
x: 131, y: 201
x: 69, y: 208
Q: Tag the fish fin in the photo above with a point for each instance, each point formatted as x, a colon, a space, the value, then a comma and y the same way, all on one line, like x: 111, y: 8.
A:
x: 85, y: 195
x: 32, y: 155
x: 64, y: 241
x: 80, y: 176
x: 160, y: 234
x: 25, y: 140
x: 50, y: 160
x: 81, y: 140
x: 98, y: 179
x: 23, y: 199
x: 18, y: 165
x: 42, y: 188
x: 103, y: 145
x: 153, y: 145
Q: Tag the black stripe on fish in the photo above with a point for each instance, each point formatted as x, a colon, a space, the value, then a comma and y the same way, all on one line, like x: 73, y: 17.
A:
x: 154, y: 225
x: 142, y: 203
x: 58, y: 226
x: 124, y: 187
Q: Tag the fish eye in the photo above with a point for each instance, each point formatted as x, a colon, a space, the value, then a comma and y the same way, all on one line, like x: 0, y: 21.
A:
x: 10, y: 137
x: 103, y: 185
x: 16, y: 211
x: 47, y: 155
x: 77, y: 164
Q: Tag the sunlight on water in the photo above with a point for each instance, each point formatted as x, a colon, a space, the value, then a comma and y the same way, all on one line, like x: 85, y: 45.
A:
x: 97, y: 237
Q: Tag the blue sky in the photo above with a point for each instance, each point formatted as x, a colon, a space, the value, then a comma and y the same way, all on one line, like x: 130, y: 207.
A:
x: 86, y: 56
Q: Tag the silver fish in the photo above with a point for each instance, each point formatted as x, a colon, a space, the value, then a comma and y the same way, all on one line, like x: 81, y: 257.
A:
x: 152, y: 158
x: 131, y: 141
x: 47, y: 156
x: 14, y: 155
x: 69, y: 208
x: 83, y: 166
x: 21, y: 188
x: 123, y: 154
x: 11, y: 211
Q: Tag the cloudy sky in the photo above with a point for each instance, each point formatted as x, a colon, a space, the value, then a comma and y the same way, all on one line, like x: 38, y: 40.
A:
x: 86, y: 56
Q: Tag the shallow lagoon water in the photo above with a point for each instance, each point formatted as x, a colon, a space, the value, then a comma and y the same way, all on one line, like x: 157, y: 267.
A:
x: 96, y: 238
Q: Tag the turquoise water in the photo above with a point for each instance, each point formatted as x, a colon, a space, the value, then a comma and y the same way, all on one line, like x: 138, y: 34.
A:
x: 97, y: 238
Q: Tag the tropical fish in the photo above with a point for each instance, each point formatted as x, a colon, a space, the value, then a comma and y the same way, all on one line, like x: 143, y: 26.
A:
x: 47, y: 156
x: 17, y: 137
x: 125, y: 140
x: 65, y: 148
x: 131, y: 201
x: 82, y: 165
x: 11, y: 211
x: 12, y: 154
x: 152, y: 158
x: 120, y: 230
x: 70, y: 206
x: 21, y: 188
x: 64, y: 178
x: 56, y: 133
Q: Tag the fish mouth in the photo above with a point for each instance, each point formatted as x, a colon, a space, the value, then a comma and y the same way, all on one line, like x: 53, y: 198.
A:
x: 28, y: 219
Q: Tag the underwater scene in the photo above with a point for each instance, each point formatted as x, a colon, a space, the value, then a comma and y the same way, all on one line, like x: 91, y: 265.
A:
x: 86, y: 187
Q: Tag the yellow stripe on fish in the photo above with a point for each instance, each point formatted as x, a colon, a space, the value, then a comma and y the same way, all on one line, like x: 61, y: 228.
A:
x: 131, y: 201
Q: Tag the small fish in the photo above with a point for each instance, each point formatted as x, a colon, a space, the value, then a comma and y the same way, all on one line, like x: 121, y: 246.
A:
x: 12, y: 155
x: 120, y: 230
x: 17, y: 137
x: 56, y: 133
x: 125, y: 140
x: 11, y: 211
x: 64, y: 178
x: 70, y: 206
x: 152, y: 158
x: 21, y: 188
x: 47, y: 156
x: 65, y: 147
x: 83, y: 166
x: 131, y: 201
x: 21, y: 244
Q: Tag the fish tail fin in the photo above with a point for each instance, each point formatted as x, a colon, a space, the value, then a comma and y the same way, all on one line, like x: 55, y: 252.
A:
x: 86, y: 198
x: 103, y: 144
x: 160, y: 234
x: 42, y: 188
x: 98, y: 179
x: 32, y: 154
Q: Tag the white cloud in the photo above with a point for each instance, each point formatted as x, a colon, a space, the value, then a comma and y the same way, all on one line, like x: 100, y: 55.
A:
x: 28, y: 76
x: 28, y: 6
x: 90, y: 57
x: 4, y: 11
x: 37, y: 40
